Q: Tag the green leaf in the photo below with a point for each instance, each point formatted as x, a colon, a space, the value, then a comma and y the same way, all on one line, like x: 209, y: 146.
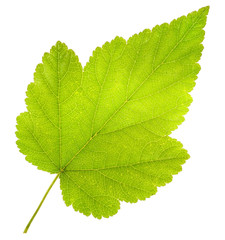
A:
x: 104, y: 129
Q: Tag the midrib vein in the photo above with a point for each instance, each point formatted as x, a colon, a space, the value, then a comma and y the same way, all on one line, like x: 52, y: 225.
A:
x: 127, y: 100
x: 100, y: 92
x: 126, y: 166
x: 59, y: 112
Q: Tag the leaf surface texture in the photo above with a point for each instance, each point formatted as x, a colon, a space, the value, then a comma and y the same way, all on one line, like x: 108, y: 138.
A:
x: 105, y: 128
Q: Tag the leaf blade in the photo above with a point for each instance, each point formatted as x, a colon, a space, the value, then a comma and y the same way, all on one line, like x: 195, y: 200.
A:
x: 105, y: 129
x: 49, y: 98
x: 134, y: 171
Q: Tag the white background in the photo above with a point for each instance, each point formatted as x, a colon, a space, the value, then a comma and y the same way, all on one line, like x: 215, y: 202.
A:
x: 190, y: 207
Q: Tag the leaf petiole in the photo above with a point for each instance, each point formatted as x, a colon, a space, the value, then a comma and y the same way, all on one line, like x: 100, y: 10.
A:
x: 40, y: 204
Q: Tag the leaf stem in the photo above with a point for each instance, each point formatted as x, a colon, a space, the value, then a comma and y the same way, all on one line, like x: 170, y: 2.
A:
x: 40, y: 204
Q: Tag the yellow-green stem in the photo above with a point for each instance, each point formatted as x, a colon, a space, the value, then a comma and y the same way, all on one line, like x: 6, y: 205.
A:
x: 39, y: 206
